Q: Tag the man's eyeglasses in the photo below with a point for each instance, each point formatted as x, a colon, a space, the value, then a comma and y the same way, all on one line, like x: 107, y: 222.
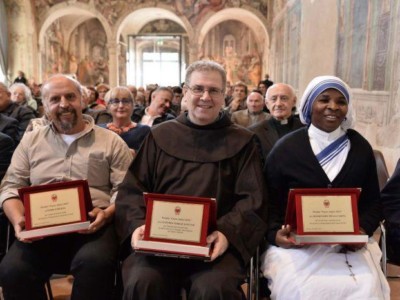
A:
x: 199, y: 90
x: 116, y: 102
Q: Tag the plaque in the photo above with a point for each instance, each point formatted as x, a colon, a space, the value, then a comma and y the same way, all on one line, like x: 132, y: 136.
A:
x: 55, y: 208
x: 178, y: 226
x: 324, y: 216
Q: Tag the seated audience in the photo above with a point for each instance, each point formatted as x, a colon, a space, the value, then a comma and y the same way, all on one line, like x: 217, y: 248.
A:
x: 215, y: 158
x: 262, y: 87
x: 140, y: 100
x: 133, y: 91
x: 35, y: 90
x: 21, y: 113
x: 7, y: 147
x: 70, y: 148
x: 280, y: 100
x: 22, y: 95
x: 157, y: 111
x: 391, y: 213
x: 325, y: 154
x: 21, y: 78
x: 120, y: 104
x: 254, y: 112
x: 9, y: 126
x: 175, y: 108
x: 238, y: 99
x: 102, y: 90
x: 99, y: 116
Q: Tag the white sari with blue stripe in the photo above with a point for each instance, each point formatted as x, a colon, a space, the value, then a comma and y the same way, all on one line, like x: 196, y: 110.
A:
x: 330, y: 148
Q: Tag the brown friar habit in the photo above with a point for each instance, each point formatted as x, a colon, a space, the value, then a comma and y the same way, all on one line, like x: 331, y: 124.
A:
x: 219, y: 160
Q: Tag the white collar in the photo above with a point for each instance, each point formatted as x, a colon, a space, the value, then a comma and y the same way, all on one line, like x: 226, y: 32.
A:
x: 324, y: 136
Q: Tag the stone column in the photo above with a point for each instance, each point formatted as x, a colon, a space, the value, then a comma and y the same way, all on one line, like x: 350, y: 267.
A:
x: 113, y: 63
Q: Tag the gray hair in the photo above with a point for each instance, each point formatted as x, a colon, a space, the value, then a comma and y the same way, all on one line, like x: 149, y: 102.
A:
x: 27, y: 90
x: 205, y: 66
x: 275, y: 85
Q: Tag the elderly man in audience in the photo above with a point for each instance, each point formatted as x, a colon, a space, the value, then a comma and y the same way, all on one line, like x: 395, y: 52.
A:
x: 215, y: 158
x: 157, y: 111
x: 238, y: 99
x: 254, y: 112
x: 8, y: 108
x: 280, y: 100
x: 70, y: 148
x: 22, y: 95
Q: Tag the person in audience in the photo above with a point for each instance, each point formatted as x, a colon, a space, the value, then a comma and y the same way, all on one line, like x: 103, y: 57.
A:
x: 9, y: 126
x: 391, y: 214
x: 7, y: 147
x: 150, y: 88
x: 157, y: 111
x: 280, y: 100
x: 324, y: 154
x: 22, y: 95
x: 21, y: 78
x: 8, y: 108
x: 262, y: 87
x: 215, y: 158
x: 35, y: 90
x: 140, y: 100
x: 93, y: 96
x: 175, y: 108
x: 99, y: 116
x: 238, y: 99
x: 120, y: 104
x: 133, y: 91
x: 70, y: 148
x: 254, y: 112
x: 102, y: 90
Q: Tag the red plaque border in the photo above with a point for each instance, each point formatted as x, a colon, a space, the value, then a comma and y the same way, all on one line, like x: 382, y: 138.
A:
x: 294, y: 216
x: 208, y: 221
x: 85, y: 201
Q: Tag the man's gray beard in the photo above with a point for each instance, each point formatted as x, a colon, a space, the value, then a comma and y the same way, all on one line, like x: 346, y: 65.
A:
x: 67, y: 126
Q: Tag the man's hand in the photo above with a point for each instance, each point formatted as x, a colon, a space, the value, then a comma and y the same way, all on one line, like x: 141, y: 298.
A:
x: 234, y: 105
x: 138, y: 234
x: 101, y: 217
x: 18, y: 227
x: 219, y: 244
x: 15, y: 212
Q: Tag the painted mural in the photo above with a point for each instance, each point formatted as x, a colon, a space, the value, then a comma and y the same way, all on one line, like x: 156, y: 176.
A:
x: 233, y: 45
x: 194, y: 10
x: 84, y: 51
x: 365, y: 60
x: 85, y: 56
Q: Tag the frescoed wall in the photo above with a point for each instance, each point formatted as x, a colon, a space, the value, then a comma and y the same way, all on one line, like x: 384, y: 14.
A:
x: 293, y: 41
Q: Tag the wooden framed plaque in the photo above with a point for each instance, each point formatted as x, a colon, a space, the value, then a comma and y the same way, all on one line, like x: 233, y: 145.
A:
x: 55, y: 208
x: 177, y: 226
x: 324, y: 216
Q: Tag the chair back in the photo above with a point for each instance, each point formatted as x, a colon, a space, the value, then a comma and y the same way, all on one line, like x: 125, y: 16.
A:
x: 383, y: 174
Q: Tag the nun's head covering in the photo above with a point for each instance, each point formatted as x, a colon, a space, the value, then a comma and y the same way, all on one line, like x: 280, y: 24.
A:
x: 315, y: 88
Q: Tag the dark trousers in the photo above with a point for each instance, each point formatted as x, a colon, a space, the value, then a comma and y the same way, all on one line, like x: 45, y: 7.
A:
x: 150, y: 277
x: 90, y: 258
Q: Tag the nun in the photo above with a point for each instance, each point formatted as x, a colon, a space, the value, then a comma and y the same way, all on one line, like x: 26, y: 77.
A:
x: 326, y: 153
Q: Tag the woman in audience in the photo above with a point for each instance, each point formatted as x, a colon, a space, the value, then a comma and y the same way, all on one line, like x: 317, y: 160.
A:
x: 120, y: 104
x: 324, y: 154
x: 22, y: 95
